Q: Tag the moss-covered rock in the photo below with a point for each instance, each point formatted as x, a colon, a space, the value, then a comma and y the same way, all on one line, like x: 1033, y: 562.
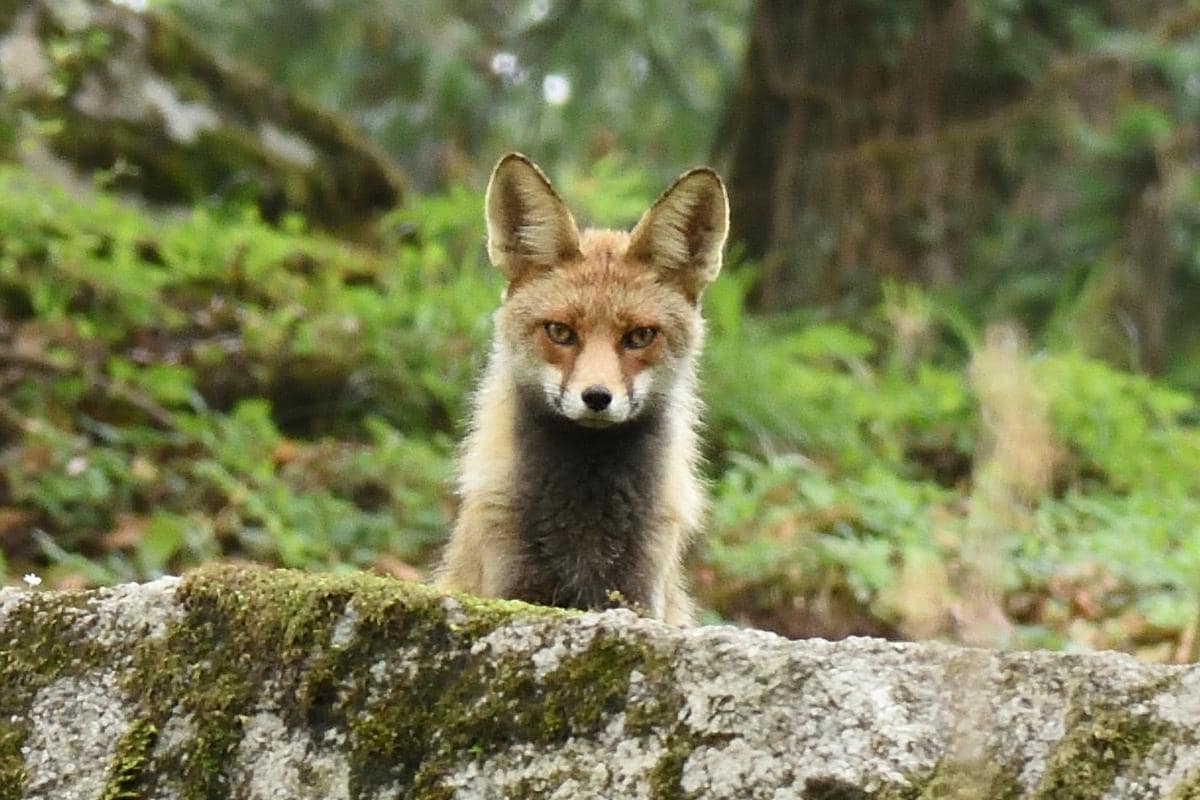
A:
x: 102, y: 87
x: 246, y: 683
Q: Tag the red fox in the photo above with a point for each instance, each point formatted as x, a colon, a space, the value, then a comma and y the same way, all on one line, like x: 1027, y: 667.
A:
x: 578, y: 477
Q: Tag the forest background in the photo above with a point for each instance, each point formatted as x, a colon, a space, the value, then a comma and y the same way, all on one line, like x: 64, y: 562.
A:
x: 954, y: 356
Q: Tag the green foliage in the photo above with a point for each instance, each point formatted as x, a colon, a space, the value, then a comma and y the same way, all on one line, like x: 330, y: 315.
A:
x: 859, y: 480
x: 867, y: 511
x: 1123, y: 427
x: 206, y: 385
x: 835, y: 400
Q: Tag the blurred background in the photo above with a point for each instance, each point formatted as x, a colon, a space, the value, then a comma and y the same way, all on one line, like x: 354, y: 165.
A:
x: 954, y: 358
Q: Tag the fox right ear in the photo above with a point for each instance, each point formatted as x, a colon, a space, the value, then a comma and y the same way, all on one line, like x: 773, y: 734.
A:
x: 529, y: 227
x: 683, y: 233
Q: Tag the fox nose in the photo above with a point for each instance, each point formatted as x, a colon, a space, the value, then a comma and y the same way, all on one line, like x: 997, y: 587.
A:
x: 597, y: 398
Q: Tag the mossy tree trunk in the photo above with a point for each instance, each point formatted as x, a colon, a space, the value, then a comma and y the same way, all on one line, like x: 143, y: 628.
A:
x: 96, y: 86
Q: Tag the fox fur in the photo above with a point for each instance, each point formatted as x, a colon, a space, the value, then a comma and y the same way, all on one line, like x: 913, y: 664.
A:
x: 578, y: 476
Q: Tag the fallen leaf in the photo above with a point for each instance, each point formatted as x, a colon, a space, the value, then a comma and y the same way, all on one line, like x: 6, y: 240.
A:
x: 285, y: 452
x: 15, y: 523
x: 129, y: 532
x: 71, y: 581
x: 398, y: 568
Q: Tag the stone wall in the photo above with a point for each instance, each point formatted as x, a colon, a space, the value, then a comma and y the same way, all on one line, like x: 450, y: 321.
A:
x: 241, y: 683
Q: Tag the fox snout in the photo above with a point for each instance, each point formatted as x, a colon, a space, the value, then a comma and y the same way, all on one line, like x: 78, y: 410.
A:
x: 596, y: 397
x: 594, y: 404
x: 596, y: 407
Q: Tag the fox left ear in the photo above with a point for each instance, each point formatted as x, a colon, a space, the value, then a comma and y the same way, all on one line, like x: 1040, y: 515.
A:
x: 683, y: 233
x: 530, y: 230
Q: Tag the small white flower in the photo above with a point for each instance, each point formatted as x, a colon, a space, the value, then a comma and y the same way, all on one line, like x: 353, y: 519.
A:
x: 539, y: 10
x: 504, y: 64
x: 76, y: 466
x: 556, y: 88
x: 32, y: 580
x: 639, y: 65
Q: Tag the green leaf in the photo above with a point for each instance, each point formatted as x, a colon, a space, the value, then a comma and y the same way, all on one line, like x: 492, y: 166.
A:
x: 164, y: 536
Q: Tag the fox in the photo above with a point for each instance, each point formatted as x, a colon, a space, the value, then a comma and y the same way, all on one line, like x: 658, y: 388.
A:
x: 578, y: 478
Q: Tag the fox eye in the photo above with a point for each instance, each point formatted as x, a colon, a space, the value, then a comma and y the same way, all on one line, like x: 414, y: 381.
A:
x: 560, y: 334
x: 638, y: 338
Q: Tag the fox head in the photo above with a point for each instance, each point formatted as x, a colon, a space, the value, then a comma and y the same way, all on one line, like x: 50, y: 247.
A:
x: 601, y: 326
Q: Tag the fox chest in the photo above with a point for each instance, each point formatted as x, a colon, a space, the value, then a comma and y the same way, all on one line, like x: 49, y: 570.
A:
x: 587, y: 508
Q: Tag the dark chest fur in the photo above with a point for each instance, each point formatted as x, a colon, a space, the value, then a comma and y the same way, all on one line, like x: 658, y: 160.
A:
x: 586, y: 503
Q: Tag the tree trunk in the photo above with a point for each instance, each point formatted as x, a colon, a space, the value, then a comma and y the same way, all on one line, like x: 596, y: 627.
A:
x: 837, y: 175
x: 870, y: 141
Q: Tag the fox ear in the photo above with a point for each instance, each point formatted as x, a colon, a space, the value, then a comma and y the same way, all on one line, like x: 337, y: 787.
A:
x: 683, y: 233
x: 529, y: 227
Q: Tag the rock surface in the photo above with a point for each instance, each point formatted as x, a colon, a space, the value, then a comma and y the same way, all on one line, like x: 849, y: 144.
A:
x: 243, y: 683
x: 91, y: 85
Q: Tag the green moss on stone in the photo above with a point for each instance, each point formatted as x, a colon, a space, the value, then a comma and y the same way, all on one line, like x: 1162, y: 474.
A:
x: 586, y: 690
x: 949, y: 781
x: 1103, y: 741
x: 665, y: 780
x: 45, y: 643
x: 129, y: 762
x: 1188, y: 787
x: 348, y: 183
x: 969, y: 780
x: 12, y: 766
x: 241, y: 629
x: 245, y: 636
x: 837, y: 789
x: 414, y: 731
x: 244, y: 629
x: 662, y: 716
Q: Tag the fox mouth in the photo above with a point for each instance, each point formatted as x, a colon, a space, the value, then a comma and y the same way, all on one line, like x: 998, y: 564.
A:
x: 595, y: 422
x: 593, y: 419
